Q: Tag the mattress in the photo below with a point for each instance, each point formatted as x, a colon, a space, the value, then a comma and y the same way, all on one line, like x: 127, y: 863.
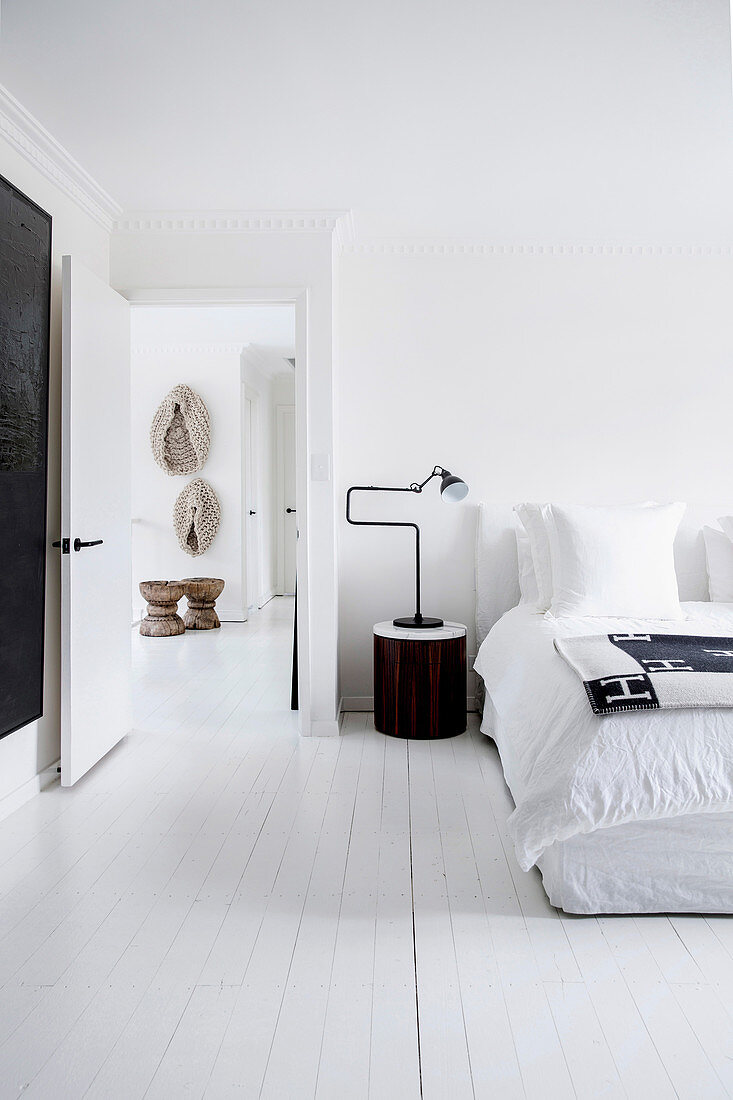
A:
x: 621, y: 813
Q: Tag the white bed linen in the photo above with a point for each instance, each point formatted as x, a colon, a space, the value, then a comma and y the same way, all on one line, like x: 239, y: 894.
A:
x: 572, y: 772
x: 680, y: 865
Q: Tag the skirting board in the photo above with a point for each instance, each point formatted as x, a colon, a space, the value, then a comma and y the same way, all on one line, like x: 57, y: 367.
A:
x: 229, y: 615
x: 29, y: 790
x: 366, y: 702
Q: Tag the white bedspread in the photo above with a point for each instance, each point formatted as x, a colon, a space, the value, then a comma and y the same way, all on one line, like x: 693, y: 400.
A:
x: 571, y: 771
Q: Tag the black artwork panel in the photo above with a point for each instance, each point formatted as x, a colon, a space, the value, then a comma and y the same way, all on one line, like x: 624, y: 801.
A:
x: 25, y: 297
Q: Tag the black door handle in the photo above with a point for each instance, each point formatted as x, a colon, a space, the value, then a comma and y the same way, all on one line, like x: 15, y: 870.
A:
x: 289, y: 510
x: 79, y: 545
x: 252, y: 513
x: 62, y: 545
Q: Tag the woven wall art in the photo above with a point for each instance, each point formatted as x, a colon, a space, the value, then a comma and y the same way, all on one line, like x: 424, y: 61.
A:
x: 180, y: 435
x: 196, y: 517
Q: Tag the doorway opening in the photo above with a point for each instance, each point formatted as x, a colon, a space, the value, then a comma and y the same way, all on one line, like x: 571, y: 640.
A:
x: 98, y: 436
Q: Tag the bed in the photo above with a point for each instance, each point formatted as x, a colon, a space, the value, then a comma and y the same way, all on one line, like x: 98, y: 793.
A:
x: 627, y: 813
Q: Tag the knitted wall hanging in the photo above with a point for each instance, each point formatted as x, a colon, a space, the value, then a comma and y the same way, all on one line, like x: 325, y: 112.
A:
x: 196, y: 517
x: 180, y: 434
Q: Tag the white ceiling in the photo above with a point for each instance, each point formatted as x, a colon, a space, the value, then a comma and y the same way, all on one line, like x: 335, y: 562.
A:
x: 506, y: 118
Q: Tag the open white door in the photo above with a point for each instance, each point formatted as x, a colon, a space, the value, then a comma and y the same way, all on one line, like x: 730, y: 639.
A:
x: 95, y: 505
x: 251, y: 505
x: 287, y: 527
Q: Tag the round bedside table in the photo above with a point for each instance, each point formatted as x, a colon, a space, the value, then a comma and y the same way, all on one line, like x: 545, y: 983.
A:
x: 420, y: 681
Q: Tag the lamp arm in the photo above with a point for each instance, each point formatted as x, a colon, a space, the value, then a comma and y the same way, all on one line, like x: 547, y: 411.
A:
x: 438, y: 471
x: 391, y: 523
x: 415, y: 487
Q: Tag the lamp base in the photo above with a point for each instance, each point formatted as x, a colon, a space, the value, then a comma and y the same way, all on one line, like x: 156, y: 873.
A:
x: 411, y: 622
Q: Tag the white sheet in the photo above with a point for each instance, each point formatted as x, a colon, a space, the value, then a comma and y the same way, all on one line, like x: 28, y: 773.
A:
x: 680, y: 865
x: 571, y: 772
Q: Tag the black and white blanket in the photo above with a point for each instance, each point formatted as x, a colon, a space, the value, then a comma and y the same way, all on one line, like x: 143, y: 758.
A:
x: 651, y: 671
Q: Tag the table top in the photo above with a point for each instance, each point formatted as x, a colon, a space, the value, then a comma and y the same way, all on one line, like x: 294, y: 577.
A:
x: 433, y: 634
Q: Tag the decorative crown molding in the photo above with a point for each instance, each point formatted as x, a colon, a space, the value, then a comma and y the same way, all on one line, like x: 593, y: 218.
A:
x: 29, y: 138
x: 235, y: 221
x: 344, y: 234
x: 257, y: 358
x: 267, y: 362
x: 189, y: 349
x: 407, y: 246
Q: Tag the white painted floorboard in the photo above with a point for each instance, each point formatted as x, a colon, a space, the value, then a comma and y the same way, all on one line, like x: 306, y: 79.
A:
x: 221, y: 909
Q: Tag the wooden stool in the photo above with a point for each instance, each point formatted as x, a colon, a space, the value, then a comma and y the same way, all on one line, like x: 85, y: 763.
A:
x: 202, y: 593
x: 162, y: 619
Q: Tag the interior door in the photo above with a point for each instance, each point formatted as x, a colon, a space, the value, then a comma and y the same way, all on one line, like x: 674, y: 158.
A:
x: 251, y: 547
x: 95, y: 519
x: 288, y: 525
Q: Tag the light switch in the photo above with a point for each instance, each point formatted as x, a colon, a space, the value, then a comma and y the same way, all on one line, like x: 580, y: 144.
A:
x: 320, y: 467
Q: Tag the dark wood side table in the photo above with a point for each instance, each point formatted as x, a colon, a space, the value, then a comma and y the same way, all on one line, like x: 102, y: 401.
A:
x: 420, y: 681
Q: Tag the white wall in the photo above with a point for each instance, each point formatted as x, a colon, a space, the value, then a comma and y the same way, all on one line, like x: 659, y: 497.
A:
x: 588, y: 375
x: 27, y: 752
x: 156, y: 554
x: 205, y: 349
x: 580, y: 377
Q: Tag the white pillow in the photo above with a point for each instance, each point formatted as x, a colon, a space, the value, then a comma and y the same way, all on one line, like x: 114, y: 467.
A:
x: 533, y: 517
x: 719, y: 554
x: 615, y: 561
x: 527, y: 580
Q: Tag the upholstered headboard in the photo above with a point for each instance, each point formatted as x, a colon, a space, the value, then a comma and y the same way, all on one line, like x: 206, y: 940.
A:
x: 497, y: 573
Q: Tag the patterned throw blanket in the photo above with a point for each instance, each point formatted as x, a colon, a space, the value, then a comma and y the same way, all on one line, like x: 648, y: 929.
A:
x: 651, y: 671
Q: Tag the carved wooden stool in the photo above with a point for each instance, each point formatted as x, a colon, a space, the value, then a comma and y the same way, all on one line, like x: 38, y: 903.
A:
x: 162, y: 619
x: 202, y: 593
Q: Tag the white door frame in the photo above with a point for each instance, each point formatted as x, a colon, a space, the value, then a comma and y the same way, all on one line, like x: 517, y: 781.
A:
x: 252, y: 480
x: 298, y: 297
x: 280, y: 503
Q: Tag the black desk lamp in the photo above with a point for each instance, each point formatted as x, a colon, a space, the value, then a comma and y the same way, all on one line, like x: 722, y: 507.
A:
x: 452, y: 489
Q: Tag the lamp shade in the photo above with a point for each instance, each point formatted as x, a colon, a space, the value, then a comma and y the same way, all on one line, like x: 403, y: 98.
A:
x: 452, y: 488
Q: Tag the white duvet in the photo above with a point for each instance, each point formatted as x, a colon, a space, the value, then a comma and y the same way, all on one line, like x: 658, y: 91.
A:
x: 571, y: 771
